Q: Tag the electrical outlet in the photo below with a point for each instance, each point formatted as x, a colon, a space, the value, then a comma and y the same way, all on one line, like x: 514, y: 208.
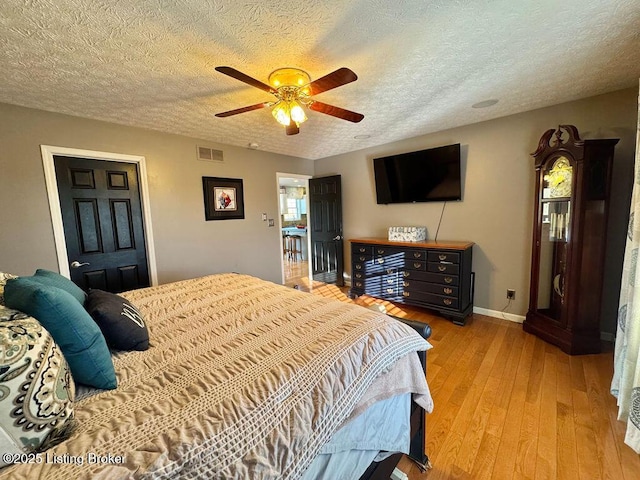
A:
x: 511, y: 294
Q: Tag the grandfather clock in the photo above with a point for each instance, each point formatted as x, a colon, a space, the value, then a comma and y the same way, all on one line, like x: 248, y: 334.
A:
x: 573, y: 179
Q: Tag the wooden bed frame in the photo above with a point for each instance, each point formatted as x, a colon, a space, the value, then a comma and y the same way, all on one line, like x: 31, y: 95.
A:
x: 383, y: 470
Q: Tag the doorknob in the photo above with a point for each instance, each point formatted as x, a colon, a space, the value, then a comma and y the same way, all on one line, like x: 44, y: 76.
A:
x: 337, y: 237
x: 76, y: 264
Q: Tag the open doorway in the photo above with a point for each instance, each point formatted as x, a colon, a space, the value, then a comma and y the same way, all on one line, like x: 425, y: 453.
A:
x: 293, y: 205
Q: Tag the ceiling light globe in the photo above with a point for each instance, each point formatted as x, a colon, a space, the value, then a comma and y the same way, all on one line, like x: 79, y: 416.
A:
x: 297, y: 113
x: 281, y: 114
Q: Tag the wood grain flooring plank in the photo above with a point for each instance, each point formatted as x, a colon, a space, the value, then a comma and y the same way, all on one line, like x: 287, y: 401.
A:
x: 506, y: 465
x: 589, y: 464
x: 547, y: 467
x: 600, y: 400
x: 489, y: 385
x: 486, y: 458
x: 566, y: 441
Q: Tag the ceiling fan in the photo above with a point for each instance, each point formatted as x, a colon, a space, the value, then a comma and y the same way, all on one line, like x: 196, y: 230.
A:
x: 293, y: 88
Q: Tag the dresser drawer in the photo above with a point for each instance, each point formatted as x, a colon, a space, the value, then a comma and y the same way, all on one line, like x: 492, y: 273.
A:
x: 432, y: 299
x: 417, y: 286
x: 450, y: 268
x: 449, y: 257
x: 361, y: 258
x: 400, y: 253
x: 360, y: 248
x: 388, y: 263
x: 382, y: 250
x: 363, y: 268
x: 375, y: 266
x: 417, y: 265
x: 369, y: 284
x: 448, y: 280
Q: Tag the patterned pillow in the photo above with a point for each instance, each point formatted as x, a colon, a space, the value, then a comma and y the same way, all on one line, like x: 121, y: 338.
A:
x: 3, y: 279
x: 36, y: 388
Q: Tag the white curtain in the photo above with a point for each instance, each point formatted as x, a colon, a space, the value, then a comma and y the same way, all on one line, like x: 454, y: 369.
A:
x: 626, y: 376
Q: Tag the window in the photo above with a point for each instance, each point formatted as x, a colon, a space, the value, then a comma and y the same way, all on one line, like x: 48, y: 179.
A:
x: 292, y: 210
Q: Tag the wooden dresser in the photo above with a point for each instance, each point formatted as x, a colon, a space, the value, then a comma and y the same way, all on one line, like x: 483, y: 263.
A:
x: 435, y: 275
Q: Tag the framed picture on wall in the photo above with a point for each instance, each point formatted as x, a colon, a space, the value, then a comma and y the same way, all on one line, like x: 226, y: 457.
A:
x: 223, y: 198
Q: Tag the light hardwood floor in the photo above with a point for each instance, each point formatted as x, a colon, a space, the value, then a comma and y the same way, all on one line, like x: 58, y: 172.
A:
x: 508, y: 405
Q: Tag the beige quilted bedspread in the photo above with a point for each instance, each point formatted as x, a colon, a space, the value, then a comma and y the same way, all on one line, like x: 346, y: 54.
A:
x: 244, y: 379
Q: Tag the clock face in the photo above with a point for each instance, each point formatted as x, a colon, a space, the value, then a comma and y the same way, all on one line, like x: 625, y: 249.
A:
x: 559, y: 178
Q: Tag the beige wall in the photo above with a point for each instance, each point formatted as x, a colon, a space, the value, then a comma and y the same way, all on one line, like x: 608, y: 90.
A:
x: 496, y: 210
x: 497, y: 205
x: 186, y: 245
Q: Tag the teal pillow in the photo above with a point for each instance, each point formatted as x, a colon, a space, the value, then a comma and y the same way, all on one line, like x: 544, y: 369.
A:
x: 53, y: 279
x: 80, y: 339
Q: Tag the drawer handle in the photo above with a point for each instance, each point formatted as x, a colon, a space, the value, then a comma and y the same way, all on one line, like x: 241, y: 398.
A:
x: 406, y: 294
x: 358, y: 275
x: 406, y: 274
x: 417, y: 254
x: 358, y: 267
x: 358, y: 284
x: 389, y: 271
x: 442, y: 257
x: 380, y: 251
x: 390, y: 281
x: 447, y: 301
x: 448, y: 279
x: 442, y: 268
x: 389, y: 290
x: 381, y: 261
x: 362, y: 259
x: 362, y: 250
x: 406, y: 284
x: 448, y: 290
x: 417, y: 265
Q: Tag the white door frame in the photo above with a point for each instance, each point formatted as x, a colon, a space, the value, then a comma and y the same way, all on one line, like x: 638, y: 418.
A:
x: 48, y: 152
x: 306, y: 178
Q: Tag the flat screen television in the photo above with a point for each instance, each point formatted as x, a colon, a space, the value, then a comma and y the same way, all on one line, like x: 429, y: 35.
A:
x: 431, y: 175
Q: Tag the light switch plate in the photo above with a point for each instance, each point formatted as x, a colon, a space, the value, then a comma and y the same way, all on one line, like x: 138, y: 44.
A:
x: 272, y: 222
x: 264, y: 217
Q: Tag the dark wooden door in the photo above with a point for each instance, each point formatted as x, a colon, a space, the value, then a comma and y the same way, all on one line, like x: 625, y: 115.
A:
x: 103, y: 226
x: 325, y: 209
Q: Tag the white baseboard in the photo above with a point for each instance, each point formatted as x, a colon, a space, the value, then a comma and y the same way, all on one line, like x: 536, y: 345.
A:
x: 606, y: 336
x: 498, y: 314
x: 398, y: 475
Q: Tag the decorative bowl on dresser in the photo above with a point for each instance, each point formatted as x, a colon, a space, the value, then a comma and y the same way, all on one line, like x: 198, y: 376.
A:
x: 434, y: 275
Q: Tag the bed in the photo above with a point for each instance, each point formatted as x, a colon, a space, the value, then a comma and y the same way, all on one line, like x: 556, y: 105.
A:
x: 247, y: 379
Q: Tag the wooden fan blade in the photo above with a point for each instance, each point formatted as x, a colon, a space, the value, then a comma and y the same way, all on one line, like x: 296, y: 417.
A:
x: 243, y: 109
x: 292, y: 129
x: 340, y: 77
x: 336, y: 112
x: 238, y: 75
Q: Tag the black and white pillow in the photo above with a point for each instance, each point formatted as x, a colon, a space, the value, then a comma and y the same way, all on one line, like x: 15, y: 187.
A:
x: 3, y: 280
x: 121, y: 323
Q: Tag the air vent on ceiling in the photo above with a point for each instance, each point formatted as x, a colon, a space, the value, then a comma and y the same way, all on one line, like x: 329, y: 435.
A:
x: 207, y: 154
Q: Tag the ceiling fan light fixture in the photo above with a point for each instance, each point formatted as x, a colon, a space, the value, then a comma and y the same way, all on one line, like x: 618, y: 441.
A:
x: 293, y: 88
x: 288, y: 77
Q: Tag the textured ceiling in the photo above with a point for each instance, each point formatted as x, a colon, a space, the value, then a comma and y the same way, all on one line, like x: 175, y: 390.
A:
x: 421, y: 64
